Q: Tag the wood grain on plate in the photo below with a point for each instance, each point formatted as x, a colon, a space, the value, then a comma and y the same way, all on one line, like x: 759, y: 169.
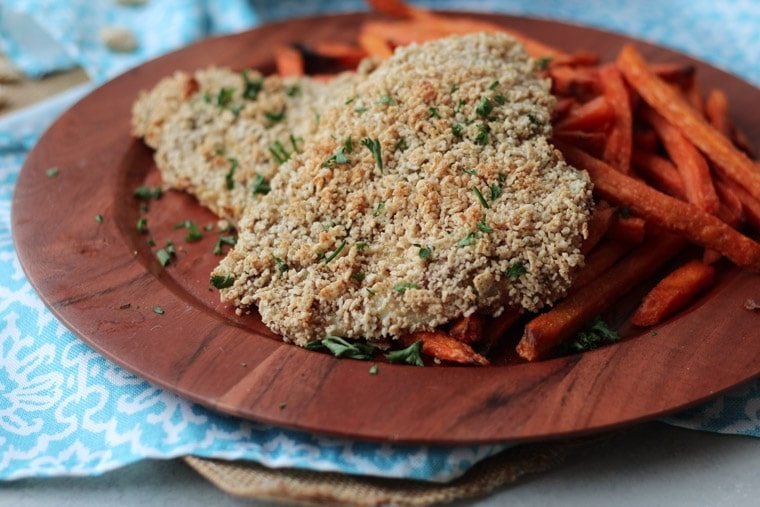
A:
x: 86, y: 270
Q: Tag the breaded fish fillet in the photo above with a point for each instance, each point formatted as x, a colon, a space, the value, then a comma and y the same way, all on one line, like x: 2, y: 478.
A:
x: 220, y: 135
x: 431, y: 194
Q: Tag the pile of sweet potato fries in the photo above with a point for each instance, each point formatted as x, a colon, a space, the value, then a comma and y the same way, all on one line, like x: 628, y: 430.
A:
x: 669, y: 170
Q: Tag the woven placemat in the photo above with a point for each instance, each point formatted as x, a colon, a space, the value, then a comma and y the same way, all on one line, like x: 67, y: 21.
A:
x: 294, y: 486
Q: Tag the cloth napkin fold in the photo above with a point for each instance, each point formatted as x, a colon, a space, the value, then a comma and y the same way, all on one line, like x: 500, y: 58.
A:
x: 65, y: 410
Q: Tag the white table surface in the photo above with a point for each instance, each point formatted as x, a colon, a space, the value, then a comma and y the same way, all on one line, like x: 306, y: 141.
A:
x: 650, y: 465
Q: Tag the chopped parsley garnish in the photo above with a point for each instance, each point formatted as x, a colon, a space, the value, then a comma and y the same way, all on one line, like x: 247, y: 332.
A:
x: 534, y: 120
x: 494, y: 85
x: 260, y: 185
x: 468, y: 240
x: 335, y: 253
x: 279, y: 153
x: 459, y: 106
x: 457, y: 129
x: 224, y: 97
x: 480, y: 197
x: 400, y: 145
x: 351, y: 99
x: 473, y: 172
x: 275, y: 117
x: 208, y: 227
x: 484, y: 108
x: 378, y: 209
x: 170, y: 247
x: 373, y: 369
x: 433, y: 112
x: 150, y: 243
x: 282, y: 266
x: 193, y: 234
x: 495, y: 191
x: 99, y: 218
x: 352, y: 350
x: 483, y: 227
x: 361, y: 245
x: 425, y: 252
x: 222, y: 281
x: 516, y: 270
x: 164, y: 256
x: 482, y: 138
x: 361, y: 109
x: 251, y: 87
x: 53, y: 172
x: 223, y: 240
x: 228, y: 178
x: 373, y: 145
x: 294, y: 142
x: 625, y: 212
x: 158, y: 310
x: 543, y: 63
x: 653, y: 333
x: 144, y: 207
x: 402, y: 287
x: 593, y: 336
x: 370, y: 292
x: 142, y: 225
x: 387, y: 100
x: 359, y: 276
x: 348, y: 145
x: 500, y: 99
x: 339, y: 157
x: 317, y: 118
x: 292, y: 90
x: 453, y: 88
x: 147, y: 193
x: 410, y: 355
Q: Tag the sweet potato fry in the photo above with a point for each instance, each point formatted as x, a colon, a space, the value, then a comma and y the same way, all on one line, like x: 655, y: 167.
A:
x: 673, y: 292
x: 562, y: 107
x: 617, y: 151
x: 681, y: 115
x: 578, y: 58
x: 346, y: 55
x: 289, y: 61
x: 574, y: 81
x: 496, y: 327
x: 592, y: 142
x: 397, y: 8
x: 374, y: 45
x: 549, y: 329
x: 599, y: 260
x: 716, y: 110
x: 598, y: 225
x: 680, y: 74
x: 627, y: 229
x: 594, y: 115
x: 750, y: 205
x: 691, y: 165
x: 694, y: 95
x: 731, y: 210
x: 664, y: 211
x: 659, y: 172
x: 646, y: 140
x: 401, y: 33
x: 441, y: 346
x: 468, y: 330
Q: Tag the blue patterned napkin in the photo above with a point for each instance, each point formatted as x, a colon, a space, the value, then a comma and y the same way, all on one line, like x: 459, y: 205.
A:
x: 65, y: 410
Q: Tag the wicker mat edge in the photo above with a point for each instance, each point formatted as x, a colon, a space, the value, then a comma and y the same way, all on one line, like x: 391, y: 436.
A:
x: 289, y: 485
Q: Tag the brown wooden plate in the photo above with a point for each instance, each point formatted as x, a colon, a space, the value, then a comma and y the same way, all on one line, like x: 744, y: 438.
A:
x: 86, y: 271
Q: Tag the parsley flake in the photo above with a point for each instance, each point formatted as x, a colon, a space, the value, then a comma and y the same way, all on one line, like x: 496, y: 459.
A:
x: 145, y: 193
x: 400, y: 145
x: 222, y: 281
x: 468, y: 240
x: 425, y: 252
x: 351, y: 99
x: 516, y: 270
x: 386, y: 100
x: 282, y: 266
x: 500, y: 99
x: 593, y: 336
x: 335, y: 253
x: 433, y: 112
x: 534, y: 120
x: 251, y: 87
x: 543, y: 63
x: 359, y: 276
x: 339, y: 157
x: 483, y: 138
x: 453, y: 88
x: 224, y: 97
x: 99, y: 218
x: 275, y: 117
x: 361, y: 245
x: 484, y: 108
x: 293, y: 90
x: 457, y: 129
x: 409, y: 355
x: 480, y: 197
x: 279, y: 153
x: 495, y: 191
x: 294, y: 142
x: 373, y: 145
x: 228, y: 178
x: 494, y: 85
x: 402, y: 287
x: 378, y: 209
x: 473, y: 172
x: 260, y: 185
x: 223, y: 240
x: 142, y: 225
x: 158, y: 310
x: 459, y: 106
x: 53, y: 172
x: 483, y: 227
x: 373, y: 369
x: 361, y: 109
x: 352, y: 350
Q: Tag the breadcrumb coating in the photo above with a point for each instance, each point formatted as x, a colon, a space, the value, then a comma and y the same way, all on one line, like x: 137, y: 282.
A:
x: 431, y: 193
x: 221, y: 135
